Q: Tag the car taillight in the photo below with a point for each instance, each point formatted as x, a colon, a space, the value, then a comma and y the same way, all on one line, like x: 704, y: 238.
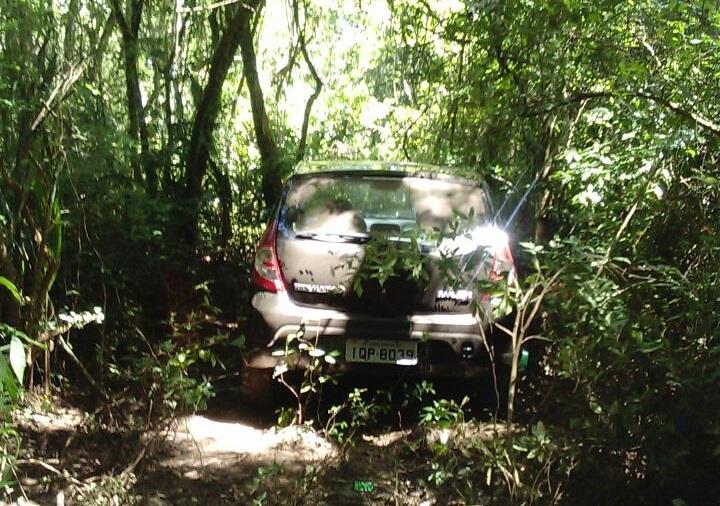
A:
x: 266, y: 268
x: 503, y: 264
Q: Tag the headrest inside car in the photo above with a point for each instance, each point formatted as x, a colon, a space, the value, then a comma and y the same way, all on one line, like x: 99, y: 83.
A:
x: 384, y: 228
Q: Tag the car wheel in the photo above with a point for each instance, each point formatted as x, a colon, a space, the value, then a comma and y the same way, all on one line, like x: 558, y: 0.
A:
x: 258, y: 386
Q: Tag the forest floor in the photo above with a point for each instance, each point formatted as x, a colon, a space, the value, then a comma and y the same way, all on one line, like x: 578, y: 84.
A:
x: 228, y: 454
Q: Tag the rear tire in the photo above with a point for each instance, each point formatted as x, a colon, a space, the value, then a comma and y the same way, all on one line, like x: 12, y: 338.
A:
x: 258, y: 387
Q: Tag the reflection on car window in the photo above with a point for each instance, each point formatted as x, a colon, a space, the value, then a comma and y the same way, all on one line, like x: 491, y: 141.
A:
x: 376, y: 205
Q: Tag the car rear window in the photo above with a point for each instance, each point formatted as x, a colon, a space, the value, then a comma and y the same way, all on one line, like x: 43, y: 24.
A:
x: 375, y: 204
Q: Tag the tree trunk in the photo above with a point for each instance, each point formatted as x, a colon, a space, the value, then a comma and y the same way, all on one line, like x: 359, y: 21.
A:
x: 224, y: 193
x: 198, y: 153
x: 269, y: 152
x: 130, y: 30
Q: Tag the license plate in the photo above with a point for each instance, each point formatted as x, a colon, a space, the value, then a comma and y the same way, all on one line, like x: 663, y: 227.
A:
x: 381, y: 352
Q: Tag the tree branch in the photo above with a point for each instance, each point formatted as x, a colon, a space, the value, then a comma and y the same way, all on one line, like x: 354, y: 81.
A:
x: 318, y: 84
x: 69, y: 79
x: 120, y: 17
x: 675, y: 107
x: 686, y: 113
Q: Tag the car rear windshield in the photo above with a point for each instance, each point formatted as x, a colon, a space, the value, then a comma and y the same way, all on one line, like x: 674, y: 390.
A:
x: 374, y: 204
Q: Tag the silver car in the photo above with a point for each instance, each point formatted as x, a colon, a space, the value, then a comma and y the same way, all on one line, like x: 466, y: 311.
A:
x: 311, y: 272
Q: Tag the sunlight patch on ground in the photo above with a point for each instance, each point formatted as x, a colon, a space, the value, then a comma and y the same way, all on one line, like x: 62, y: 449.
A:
x: 386, y: 439
x: 467, y: 432
x: 48, y: 415
x: 201, y: 440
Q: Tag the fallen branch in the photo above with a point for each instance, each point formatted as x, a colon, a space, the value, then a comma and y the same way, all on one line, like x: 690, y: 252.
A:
x: 86, y: 373
x: 131, y: 467
x: 63, y: 474
x: 51, y: 334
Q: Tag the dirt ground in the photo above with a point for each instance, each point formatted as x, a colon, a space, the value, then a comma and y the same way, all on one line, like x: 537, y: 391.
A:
x: 229, y: 454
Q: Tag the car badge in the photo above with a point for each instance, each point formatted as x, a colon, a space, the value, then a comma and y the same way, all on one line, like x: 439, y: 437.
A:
x: 457, y: 296
x: 315, y: 288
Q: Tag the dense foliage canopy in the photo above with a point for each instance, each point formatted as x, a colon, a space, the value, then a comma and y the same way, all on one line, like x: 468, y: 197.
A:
x: 141, y: 141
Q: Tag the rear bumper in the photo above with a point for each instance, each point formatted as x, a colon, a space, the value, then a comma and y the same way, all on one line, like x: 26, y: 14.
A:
x: 441, y: 337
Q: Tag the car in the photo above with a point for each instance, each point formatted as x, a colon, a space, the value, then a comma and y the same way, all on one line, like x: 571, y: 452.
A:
x: 318, y: 268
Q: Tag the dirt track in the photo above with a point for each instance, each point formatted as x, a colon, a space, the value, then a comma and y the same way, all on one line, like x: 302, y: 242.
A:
x: 229, y: 454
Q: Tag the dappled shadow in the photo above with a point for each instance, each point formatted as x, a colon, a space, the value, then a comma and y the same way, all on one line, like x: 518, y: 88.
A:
x: 395, y: 472
x: 395, y: 393
x: 231, y: 454
x: 241, y: 482
x: 223, y: 460
x: 53, y: 459
x: 229, y: 405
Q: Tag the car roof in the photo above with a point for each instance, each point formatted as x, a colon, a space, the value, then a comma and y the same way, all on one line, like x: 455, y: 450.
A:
x: 385, y: 168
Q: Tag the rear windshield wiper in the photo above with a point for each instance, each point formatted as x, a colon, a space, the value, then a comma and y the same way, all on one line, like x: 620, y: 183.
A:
x: 333, y: 237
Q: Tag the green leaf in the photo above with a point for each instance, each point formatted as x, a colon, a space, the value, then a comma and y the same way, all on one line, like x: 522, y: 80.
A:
x: 17, y: 358
x: 10, y: 286
x: 8, y: 331
x: 530, y: 247
x: 8, y: 383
